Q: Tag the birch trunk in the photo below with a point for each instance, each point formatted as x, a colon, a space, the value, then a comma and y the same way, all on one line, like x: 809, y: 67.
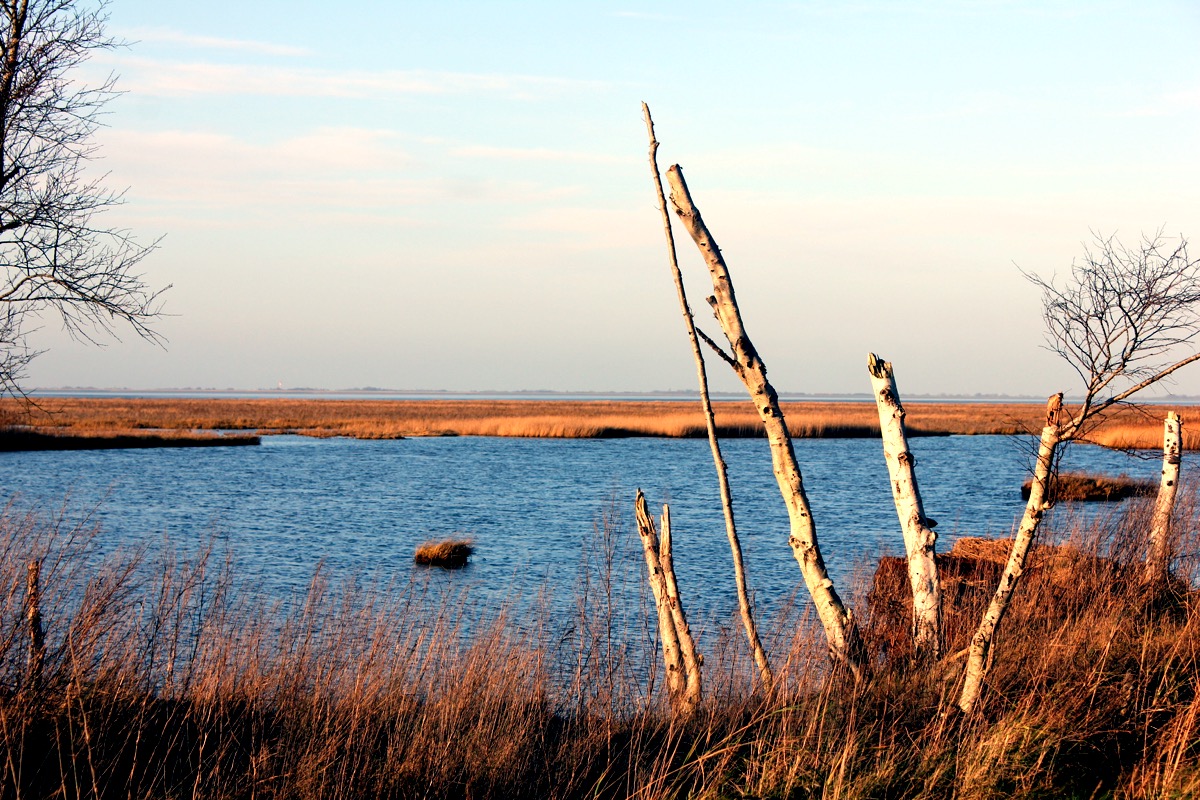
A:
x: 688, y: 658
x: 979, y: 654
x: 679, y: 649
x: 919, y: 538
x: 845, y: 644
x: 1159, y: 560
x: 765, y: 674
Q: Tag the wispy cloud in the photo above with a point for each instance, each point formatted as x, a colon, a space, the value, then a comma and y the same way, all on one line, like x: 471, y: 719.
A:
x: 174, y: 79
x: 168, y: 36
x: 186, y: 177
x: 536, y: 154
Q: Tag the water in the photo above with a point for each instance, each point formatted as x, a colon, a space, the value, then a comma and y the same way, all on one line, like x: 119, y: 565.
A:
x: 530, y: 505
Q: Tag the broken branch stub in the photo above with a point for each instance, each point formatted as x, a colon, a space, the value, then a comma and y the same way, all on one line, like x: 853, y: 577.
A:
x: 679, y: 650
x: 919, y: 538
x: 1159, y: 560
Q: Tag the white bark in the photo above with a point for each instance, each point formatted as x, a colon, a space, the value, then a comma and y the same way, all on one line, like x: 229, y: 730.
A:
x: 688, y: 658
x: 979, y: 654
x: 679, y: 649
x: 1158, y: 562
x: 845, y: 644
x: 735, y: 547
x: 919, y: 538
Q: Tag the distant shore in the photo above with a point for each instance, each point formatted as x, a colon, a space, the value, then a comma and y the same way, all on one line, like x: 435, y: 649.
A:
x: 210, y: 420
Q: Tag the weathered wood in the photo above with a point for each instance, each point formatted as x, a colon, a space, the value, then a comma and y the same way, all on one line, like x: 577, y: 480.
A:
x: 745, y: 607
x: 33, y: 618
x: 919, y: 538
x: 688, y: 657
x: 979, y: 653
x: 845, y: 644
x: 679, y: 649
x: 1159, y: 560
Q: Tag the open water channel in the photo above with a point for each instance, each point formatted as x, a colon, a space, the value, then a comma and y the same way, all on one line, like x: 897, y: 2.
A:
x: 530, y: 505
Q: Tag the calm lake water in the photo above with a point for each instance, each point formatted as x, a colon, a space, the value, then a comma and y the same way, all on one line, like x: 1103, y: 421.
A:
x: 530, y: 505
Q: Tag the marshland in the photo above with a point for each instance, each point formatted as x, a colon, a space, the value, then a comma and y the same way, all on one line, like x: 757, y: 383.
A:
x: 173, y: 669
x: 248, y: 622
x: 283, y: 594
x: 84, y: 417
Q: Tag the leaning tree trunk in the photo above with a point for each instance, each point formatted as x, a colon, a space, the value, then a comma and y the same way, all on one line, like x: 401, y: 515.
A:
x: 845, y: 644
x: 1159, y: 560
x: 979, y: 654
x: 735, y: 546
x: 919, y: 538
x: 679, y: 649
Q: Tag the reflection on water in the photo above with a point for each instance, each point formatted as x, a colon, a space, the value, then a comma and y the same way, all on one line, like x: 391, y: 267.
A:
x: 529, y: 504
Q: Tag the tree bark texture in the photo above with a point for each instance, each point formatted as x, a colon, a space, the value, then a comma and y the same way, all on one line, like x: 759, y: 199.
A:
x: 1159, y: 560
x: 841, y: 631
x: 919, y: 538
x: 979, y: 654
x: 33, y: 619
x: 679, y: 648
x: 746, y: 609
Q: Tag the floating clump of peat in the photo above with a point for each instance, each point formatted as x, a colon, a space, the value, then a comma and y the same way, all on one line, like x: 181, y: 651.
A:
x: 1078, y: 487
x: 449, y: 553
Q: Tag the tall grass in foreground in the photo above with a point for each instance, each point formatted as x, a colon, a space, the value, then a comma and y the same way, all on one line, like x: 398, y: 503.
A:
x: 163, y: 677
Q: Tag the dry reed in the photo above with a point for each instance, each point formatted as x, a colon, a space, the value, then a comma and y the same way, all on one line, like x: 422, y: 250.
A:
x: 390, y: 419
x: 1077, y: 486
x: 163, y: 677
x: 448, y: 553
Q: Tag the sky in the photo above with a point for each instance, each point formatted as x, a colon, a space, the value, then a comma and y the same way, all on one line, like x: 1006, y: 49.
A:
x: 456, y: 195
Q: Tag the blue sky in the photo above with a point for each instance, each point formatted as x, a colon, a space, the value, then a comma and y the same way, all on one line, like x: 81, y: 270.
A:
x: 456, y: 195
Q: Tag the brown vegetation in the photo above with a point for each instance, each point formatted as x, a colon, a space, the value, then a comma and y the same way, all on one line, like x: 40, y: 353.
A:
x: 1076, y: 486
x: 14, y: 438
x: 448, y: 553
x: 390, y: 419
x: 166, y: 679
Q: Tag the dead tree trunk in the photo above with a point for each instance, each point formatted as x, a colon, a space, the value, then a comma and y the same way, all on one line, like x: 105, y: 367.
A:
x: 735, y: 546
x: 845, y: 644
x: 1159, y: 560
x: 679, y: 649
x: 919, y: 538
x: 979, y: 654
x: 33, y: 618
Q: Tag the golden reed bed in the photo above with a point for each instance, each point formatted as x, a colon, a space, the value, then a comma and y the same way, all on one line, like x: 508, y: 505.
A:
x: 389, y: 419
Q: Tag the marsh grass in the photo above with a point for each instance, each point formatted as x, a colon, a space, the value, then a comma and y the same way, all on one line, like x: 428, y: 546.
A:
x: 383, y: 419
x: 448, y: 553
x: 395, y: 419
x: 166, y: 677
x: 1081, y: 487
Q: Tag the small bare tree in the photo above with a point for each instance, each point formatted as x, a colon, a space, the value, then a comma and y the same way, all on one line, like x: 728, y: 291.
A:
x: 1120, y: 321
x: 55, y: 254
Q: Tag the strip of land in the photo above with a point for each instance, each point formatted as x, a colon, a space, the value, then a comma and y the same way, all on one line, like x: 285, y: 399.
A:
x: 578, y: 419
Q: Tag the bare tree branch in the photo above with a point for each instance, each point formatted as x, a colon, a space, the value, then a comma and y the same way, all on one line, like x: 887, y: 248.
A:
x: 1121, y: 320
x: 56, y: 255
